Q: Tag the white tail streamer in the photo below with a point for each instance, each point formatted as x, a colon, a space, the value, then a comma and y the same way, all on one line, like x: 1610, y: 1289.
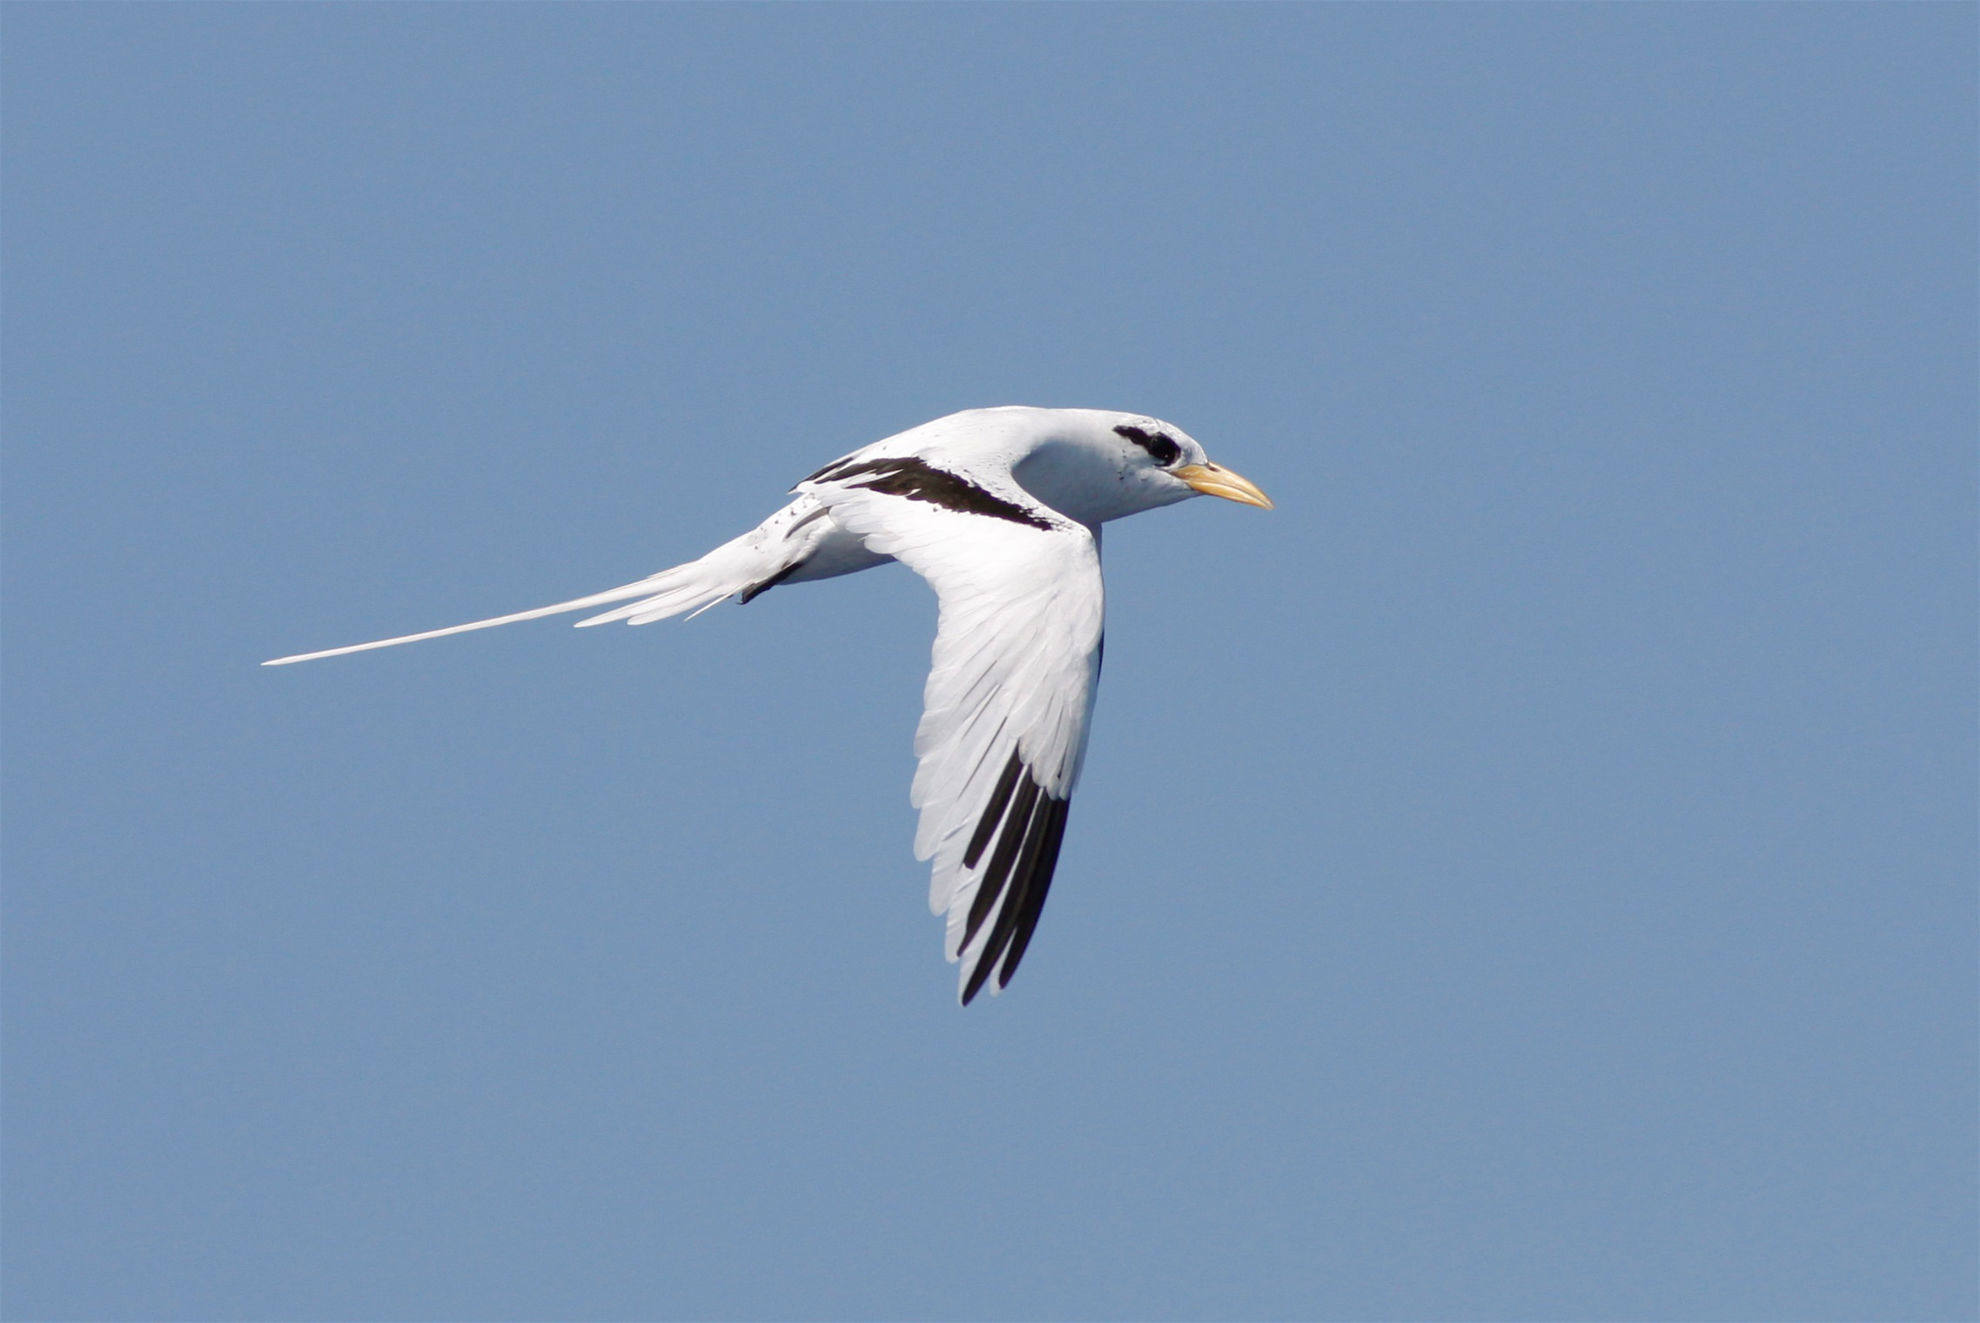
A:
x: 795, y: 544
x: 644, y: 588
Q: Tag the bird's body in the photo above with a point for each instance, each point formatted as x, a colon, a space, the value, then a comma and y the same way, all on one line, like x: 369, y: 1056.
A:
x: 1000, y: 511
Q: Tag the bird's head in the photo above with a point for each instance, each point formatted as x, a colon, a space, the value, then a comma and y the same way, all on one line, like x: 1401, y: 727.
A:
x: 1095, y: 465
x: 1168, y: 465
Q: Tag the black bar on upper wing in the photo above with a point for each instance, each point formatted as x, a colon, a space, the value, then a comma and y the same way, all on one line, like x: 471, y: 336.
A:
x: 918, y: 480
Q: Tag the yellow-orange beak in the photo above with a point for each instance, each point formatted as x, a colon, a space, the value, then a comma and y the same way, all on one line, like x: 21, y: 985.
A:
x: 1216, y: 480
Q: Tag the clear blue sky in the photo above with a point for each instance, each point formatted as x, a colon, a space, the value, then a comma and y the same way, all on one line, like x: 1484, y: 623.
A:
x: 1529, y: 875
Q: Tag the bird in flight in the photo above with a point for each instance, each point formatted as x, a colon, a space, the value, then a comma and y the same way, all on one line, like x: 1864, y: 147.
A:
x: 1000, y: 511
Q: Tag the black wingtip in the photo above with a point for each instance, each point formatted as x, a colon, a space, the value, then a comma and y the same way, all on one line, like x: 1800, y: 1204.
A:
x: 1029, y: 831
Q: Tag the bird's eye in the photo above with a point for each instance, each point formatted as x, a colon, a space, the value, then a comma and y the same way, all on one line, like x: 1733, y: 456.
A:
x: 1161, y: 447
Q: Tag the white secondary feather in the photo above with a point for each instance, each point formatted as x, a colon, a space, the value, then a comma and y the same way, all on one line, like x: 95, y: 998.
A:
x: 1000, y: 511
x: 1016, y: 662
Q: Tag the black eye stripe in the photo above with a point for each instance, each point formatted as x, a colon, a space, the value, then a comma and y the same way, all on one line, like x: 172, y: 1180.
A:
x: 1160, y: 445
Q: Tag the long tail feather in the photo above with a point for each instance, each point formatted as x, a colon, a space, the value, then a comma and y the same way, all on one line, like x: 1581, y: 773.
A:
x: 741, y: 567
x: 670, y: 593
x: 644, y: 588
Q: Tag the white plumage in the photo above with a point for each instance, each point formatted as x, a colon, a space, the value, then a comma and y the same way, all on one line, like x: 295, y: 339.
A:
x: 1000, y: 511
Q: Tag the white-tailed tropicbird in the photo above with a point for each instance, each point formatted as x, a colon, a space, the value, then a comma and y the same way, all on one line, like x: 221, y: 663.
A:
x: 1000, y: 511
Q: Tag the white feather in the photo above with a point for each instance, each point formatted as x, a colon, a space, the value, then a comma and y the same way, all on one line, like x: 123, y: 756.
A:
x: 1000, y: 511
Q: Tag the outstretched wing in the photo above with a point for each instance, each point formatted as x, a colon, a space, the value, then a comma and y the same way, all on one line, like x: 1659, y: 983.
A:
x: 1004, y: 722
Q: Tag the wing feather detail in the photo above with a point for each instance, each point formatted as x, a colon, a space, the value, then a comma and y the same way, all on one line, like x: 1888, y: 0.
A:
x: 1009, y: 695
